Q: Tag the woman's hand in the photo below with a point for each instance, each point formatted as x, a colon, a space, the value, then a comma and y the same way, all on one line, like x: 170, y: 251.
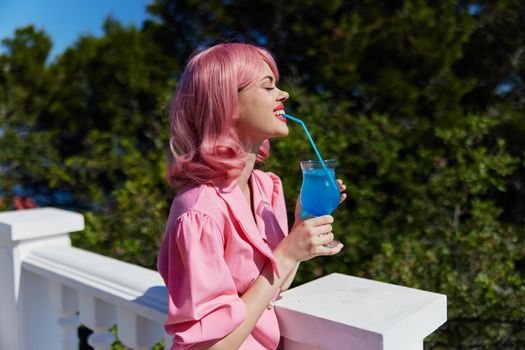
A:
x: 342, y: 189
x: 306, y: 240
x: 309, y: 237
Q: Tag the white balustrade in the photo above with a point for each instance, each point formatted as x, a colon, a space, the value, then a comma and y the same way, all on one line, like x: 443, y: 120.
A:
x: 111, y: 292
x: 48, y: 288
x: 59, y: 287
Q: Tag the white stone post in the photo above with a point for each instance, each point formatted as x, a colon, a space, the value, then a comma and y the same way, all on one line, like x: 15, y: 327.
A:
x: 339, y: 312
x: 20, y: 232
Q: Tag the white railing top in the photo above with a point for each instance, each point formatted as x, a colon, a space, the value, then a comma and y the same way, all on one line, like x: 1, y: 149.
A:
x: 126, y: 285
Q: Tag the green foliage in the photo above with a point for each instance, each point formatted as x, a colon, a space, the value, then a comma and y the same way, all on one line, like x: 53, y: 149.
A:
x: 421, y: 103
x: 95, y: 130
x: 421, y: 215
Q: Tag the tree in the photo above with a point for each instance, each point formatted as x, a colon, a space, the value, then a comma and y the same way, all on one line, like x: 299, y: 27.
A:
x: 88, y: 133
x: 26, y: 152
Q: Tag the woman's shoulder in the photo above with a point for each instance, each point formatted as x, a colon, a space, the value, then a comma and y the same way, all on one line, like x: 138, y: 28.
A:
x: 269, y: 180
x: 271, y: 185
x: 198, y: 200
x: 267, y: 177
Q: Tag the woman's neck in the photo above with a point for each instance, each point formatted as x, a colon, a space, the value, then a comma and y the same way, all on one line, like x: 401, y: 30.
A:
x: 243, y: 180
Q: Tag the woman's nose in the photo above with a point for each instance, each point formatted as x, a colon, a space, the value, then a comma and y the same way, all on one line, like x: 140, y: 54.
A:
x: 283, y: 96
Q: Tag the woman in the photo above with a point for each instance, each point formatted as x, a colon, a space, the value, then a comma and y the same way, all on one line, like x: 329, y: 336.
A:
x: 227, y: 251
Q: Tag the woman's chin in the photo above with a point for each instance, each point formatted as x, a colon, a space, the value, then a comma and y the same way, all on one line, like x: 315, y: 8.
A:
x: 282, y: 133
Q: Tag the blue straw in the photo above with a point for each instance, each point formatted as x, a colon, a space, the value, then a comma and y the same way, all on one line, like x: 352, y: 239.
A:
x: 315, y: 148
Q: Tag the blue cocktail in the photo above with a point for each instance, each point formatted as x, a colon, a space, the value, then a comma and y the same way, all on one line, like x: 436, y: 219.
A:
x: 319, y: 194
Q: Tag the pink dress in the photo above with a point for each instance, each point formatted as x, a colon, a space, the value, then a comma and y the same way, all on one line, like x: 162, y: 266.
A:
x: 213, y: 250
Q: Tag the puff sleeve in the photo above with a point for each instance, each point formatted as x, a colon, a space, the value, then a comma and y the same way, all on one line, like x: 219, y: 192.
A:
x: 203, y: 304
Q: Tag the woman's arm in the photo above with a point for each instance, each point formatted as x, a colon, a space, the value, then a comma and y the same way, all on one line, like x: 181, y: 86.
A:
x: 303, y: 243
x: 256, y: 299
x: 289, y: 278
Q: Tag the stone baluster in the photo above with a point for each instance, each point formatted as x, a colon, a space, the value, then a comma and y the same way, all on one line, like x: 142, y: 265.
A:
x: 99, y: 316
x: 167, y: 341
x: 137, y: 332
x: 64, y: 301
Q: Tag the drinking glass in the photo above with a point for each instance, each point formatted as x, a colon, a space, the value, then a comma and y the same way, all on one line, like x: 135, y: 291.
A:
x: 320, y: 194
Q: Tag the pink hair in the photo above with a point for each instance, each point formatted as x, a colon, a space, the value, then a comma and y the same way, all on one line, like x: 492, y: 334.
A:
x: 203, y: 141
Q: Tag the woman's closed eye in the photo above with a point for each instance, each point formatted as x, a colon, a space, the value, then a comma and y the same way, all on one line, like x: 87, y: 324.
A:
x: 270, y: 88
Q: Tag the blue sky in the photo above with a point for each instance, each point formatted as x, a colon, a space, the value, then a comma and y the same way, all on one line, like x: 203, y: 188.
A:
x: 65, y: 20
